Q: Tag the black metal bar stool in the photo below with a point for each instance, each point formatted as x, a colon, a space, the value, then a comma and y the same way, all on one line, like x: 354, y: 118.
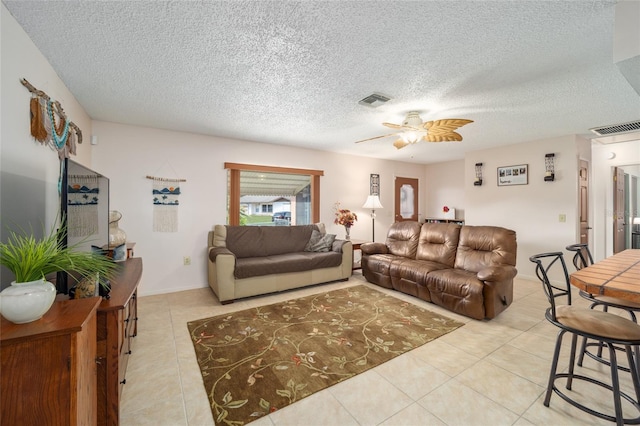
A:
x: 581, y: 259
x: 609, y: 329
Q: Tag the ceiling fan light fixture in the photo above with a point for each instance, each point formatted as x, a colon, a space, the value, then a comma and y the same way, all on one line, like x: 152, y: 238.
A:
x: 413, y: 120
x: 411, y: 136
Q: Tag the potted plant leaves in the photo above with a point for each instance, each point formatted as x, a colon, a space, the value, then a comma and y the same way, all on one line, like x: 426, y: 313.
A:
x: 31, y: 260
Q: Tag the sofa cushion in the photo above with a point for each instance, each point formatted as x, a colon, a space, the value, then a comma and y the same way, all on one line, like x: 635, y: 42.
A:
x: 438, y: 243
x: 283, y: 263
x: 257, y: 241
x: 402, y: 239
x: 483, y: 246
x: 410, y: 276
x: 413, y: 270
x: 457, y: 290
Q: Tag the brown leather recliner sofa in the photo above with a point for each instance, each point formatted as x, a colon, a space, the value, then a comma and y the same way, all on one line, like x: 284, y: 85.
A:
x: 466, y: 269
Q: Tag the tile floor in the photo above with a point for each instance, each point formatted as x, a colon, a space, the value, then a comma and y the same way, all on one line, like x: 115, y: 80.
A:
x: 484, y: 373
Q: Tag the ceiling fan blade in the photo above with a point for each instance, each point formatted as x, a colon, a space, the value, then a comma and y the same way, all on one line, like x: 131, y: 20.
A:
x: 399, y: 144
x: 445, y: 126
x: 443, y: 130
x: 449, y: 137
x: 377, y: 137
x: 393, y: 125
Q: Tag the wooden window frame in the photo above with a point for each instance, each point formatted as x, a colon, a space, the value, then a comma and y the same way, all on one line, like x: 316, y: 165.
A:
x: 234, y: 187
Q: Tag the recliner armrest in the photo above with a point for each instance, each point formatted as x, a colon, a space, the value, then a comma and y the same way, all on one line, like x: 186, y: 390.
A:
x: 497, y: 273
x: 217, y: 251
x: 374, y: 248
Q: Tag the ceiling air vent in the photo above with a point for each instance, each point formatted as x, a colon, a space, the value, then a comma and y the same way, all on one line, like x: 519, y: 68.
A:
x: 616, y: 133
x: 617, y: 128
x: 374, y: 100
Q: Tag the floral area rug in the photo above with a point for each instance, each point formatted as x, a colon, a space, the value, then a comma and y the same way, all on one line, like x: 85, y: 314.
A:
x: 259, y: 360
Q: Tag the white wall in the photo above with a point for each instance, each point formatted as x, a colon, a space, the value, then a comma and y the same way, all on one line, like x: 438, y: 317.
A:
x: 444, y: 186
x: 126, y: 154
x: 29, y: 171
x: 531, y: 210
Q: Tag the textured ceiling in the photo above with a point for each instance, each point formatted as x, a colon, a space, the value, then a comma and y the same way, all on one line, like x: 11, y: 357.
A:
x: 292, y: 73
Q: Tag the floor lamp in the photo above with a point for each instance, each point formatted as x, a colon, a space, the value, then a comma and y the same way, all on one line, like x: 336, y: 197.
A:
x: 373, y: 203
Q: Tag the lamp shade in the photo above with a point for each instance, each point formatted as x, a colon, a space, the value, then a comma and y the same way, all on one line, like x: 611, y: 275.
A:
x: 373, y: 202
x: 636, y: 220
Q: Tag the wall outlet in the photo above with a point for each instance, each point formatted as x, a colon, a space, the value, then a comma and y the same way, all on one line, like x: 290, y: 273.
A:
x: 186, y: 260
x: 562, y: 217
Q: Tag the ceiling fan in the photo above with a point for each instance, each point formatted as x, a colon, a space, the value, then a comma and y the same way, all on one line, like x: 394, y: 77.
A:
x: 413, y: 130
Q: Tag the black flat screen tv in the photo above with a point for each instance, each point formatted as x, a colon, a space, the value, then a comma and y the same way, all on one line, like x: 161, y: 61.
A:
x: 84, y: 207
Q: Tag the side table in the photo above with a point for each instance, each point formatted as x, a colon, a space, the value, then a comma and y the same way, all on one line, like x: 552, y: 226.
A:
x: 356, y: 246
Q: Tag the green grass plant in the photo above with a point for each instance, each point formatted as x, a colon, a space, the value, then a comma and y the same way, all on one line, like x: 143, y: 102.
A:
x: 253, y: 219
x: 30, y: 259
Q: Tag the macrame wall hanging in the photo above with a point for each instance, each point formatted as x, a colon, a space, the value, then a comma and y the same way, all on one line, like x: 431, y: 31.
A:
x: 50, y: 125
x: 82, y: 206
x: 165, y: 203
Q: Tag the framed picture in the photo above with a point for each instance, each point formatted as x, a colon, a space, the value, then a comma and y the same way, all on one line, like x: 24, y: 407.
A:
x: 513, y: 175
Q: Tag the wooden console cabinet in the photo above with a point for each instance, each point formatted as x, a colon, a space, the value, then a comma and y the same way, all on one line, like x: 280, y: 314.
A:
x: 117, y: 326
x: 48, y: 367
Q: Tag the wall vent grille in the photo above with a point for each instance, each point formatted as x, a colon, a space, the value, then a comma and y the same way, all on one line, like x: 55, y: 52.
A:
x: 617, y: 128
x: 374, y: 100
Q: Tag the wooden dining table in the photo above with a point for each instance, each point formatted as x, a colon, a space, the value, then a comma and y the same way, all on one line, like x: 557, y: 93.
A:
x: 616, y: 276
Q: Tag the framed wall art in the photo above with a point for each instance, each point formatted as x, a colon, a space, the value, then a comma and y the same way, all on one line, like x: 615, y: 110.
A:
x: 513, y: 175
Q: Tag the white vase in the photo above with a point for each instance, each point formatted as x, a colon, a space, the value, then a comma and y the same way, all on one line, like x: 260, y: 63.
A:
x: 117, y: 236
x: 26, y: 302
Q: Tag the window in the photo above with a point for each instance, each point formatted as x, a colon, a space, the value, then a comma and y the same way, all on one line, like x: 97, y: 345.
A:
x: 293, y: 195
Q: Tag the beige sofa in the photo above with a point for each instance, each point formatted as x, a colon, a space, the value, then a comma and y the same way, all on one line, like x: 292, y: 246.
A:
x: 252, y: 260
x: 466, y: 269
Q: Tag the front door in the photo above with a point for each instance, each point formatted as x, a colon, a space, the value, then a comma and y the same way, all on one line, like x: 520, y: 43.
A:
x: 406, y: 199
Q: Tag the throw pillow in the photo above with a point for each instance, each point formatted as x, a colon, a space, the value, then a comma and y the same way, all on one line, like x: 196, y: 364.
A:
x: 328, y: 240
x: 313, y: 241
x: 319, y: 242
x: 321, y: 227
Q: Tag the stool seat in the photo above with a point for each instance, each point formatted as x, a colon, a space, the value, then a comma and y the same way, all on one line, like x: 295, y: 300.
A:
x: 603, y: 325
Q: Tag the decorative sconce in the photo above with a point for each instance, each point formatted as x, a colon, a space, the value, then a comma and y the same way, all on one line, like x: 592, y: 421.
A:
x: 374, y: 184
x: 549, y: 174
x: 478, y: 180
